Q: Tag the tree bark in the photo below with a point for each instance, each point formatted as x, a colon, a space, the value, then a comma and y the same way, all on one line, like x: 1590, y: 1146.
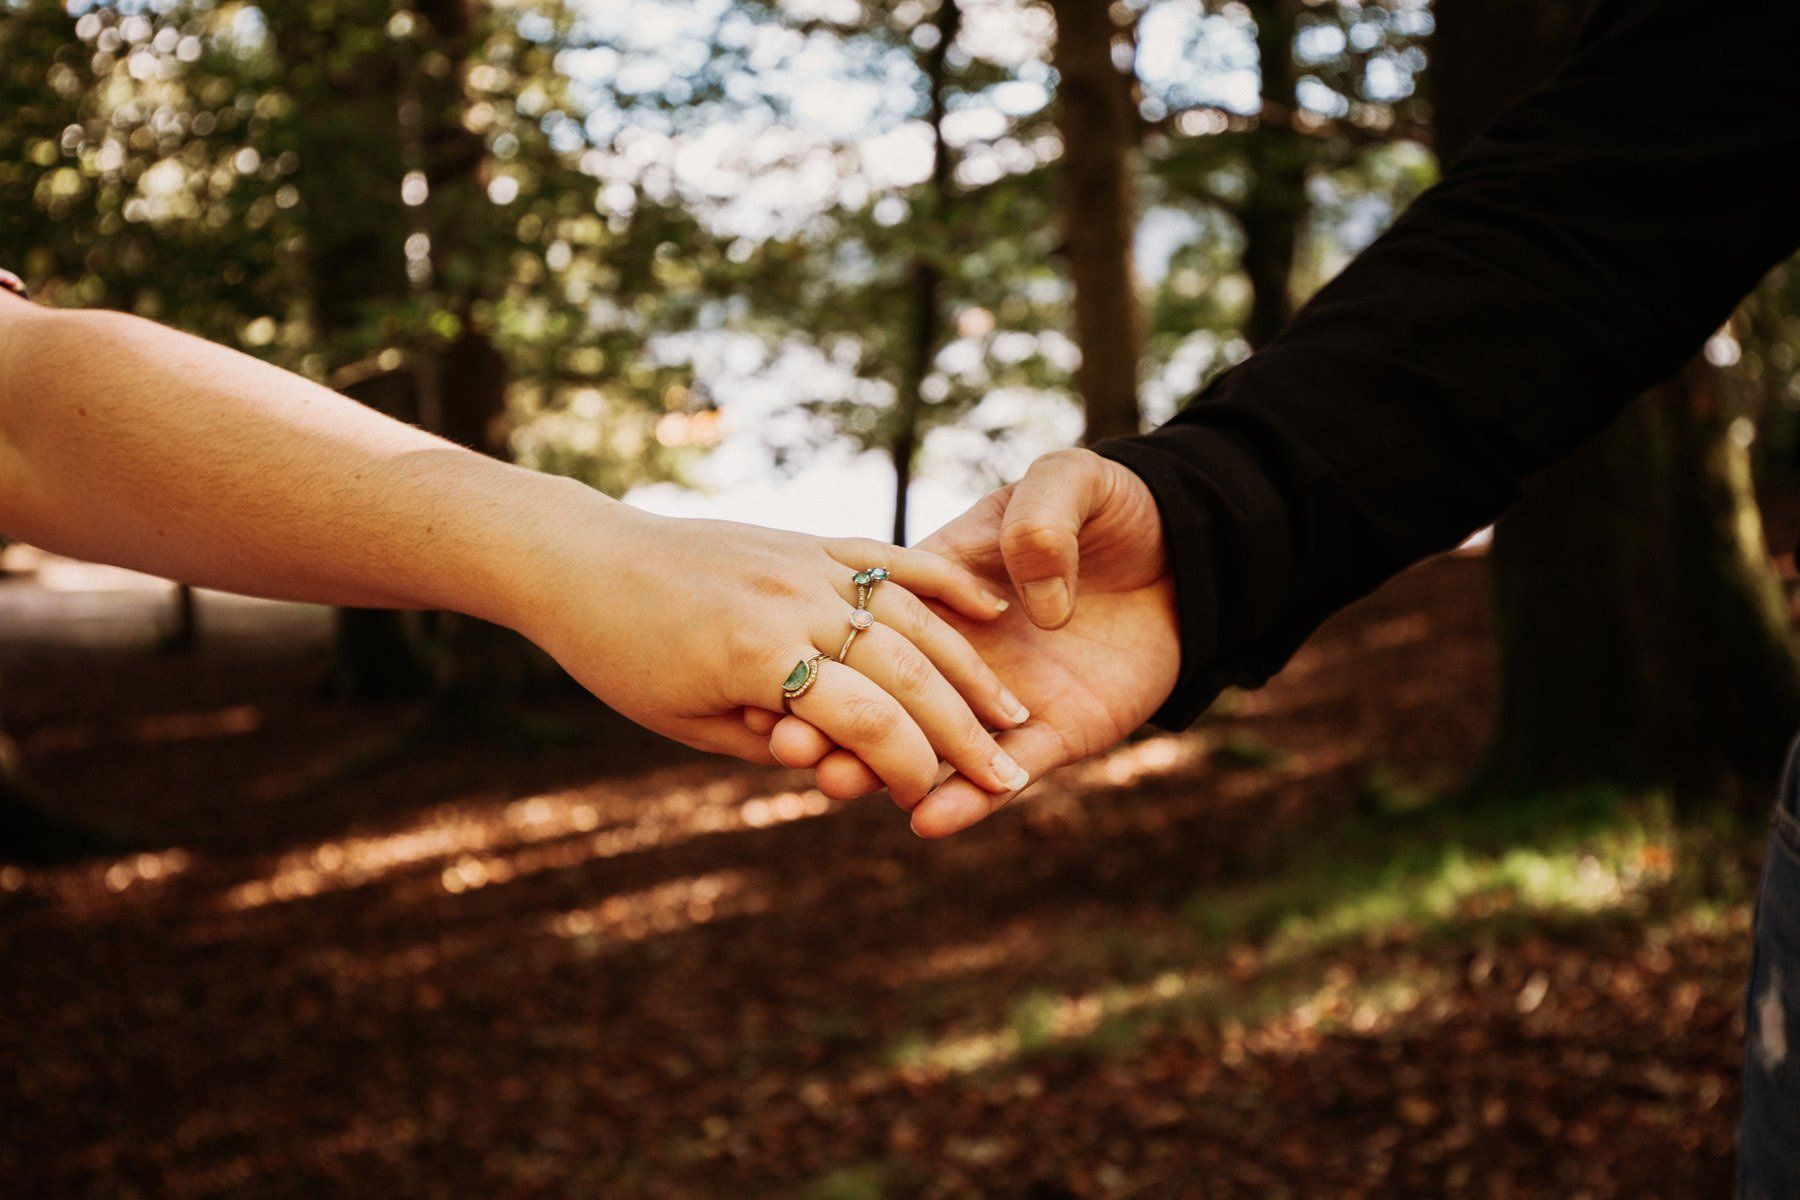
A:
x: 355, y: 268
x: 1644, y: 637
x: 1277, y: 157
x: 485, y: 669
x: 1096, y: 116
x: 1643, y: 634
x: 31, y: 830
x: 184, y: 630
x: 926, y: 280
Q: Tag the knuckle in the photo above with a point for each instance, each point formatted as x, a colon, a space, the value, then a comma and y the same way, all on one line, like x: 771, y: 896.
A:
x: 867, y: 719
x: 913, y: 672
x: 973, y: 736
x: 1070, y: 458
x: 1032, y: 532
x: 911, y: 619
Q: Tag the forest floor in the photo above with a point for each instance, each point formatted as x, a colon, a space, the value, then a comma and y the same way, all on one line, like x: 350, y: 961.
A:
x: 1266, y: 958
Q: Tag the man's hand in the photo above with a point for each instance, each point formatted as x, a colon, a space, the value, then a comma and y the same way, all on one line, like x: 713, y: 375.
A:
x: 1094, y: 652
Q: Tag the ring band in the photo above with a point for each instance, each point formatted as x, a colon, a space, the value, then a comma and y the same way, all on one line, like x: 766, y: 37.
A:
x: 860, y: 619
x: 865, y: 582
x: 860, y: 616
x: 800, y: 680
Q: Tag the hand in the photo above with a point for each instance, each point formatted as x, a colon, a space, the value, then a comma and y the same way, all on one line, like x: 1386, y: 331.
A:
x: 1091, y: 673
x: 682, y: 625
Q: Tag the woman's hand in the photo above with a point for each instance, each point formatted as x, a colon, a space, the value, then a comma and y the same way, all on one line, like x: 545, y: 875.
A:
x: 684, y: 625
x: 1092, y: 672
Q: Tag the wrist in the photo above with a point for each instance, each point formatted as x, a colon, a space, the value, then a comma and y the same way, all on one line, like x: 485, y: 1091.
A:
x: 559, y: 536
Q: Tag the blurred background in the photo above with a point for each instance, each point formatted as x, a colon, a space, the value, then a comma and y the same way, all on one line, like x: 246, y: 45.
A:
x: 296, y: 902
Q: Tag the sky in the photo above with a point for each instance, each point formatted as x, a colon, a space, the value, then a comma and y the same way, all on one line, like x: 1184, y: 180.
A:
x: 843, y: 134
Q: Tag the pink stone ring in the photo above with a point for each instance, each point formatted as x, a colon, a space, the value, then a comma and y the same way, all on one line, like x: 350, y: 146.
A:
x: 860, y: 616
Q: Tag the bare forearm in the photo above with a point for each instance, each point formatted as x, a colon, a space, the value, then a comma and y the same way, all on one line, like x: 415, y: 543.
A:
x: 125, y: 442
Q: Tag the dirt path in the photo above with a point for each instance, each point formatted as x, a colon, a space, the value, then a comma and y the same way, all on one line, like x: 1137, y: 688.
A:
x: 587, y: 963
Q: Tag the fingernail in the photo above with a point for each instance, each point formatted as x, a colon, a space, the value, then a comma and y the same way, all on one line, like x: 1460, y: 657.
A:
x: 1015, y: 711
x: 1000, y: 603
x: 1047, y: 601
x: 1011, y: 773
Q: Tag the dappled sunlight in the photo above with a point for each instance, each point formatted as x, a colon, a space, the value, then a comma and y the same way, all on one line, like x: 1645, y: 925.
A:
x: 94, y: 888
x: 1284, y: 1016
x: 1020, y: 942
x: 663, y: 909
x: 554, y: 831
x: 618, y: 921
x: 1279, y: 959
x: 179, y: 727
x: 230, y: 721
x: 362, y: 1136
x: 1614, y: 874
x: 1130, y: 763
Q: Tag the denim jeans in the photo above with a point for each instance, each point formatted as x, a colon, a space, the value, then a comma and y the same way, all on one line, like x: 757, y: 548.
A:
x: 1769, y: 1131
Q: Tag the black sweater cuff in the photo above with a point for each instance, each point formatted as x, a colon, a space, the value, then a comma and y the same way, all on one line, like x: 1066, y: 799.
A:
x: 1228, y: 538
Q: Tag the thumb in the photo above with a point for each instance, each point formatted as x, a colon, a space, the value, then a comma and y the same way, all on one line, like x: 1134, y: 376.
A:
x: 1040, y: 534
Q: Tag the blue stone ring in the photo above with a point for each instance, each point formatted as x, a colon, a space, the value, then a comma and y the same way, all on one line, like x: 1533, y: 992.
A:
x: 860, y: 616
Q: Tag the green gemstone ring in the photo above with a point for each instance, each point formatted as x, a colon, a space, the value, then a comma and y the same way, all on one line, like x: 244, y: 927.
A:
x: 865, y: 582
x: 801, y: 679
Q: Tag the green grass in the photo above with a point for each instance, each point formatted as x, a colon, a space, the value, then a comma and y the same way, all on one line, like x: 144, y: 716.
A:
x: 1246, y: 752
x: 1444, y: 868
x: 863, y: 1181
x: 1440, y: 871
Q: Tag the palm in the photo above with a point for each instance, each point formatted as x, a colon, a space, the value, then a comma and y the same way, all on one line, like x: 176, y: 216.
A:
x: 1093, y: 681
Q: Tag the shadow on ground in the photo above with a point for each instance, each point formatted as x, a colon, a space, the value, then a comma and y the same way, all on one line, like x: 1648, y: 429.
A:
x: 587, y: 963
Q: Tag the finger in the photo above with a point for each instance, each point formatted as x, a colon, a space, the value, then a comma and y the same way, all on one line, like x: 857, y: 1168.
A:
x: 958, y: 803
x: 950, y: 652
x: 973, y: 539
x: 955, y: 733
x: 860, y: 716
x: 843, y: 776
x: 725, y: 734
x: 796, y: 743
x: 923, y: 574
x: 760, y: 721
x: 1040, y: 534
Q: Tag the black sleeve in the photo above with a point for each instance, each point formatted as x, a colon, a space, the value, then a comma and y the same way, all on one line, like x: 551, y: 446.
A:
x: 1577, y: 254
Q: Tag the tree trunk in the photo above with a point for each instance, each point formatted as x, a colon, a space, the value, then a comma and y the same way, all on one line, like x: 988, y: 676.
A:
x: 927, y: 329
x: 356, y: 268
x: 184, y: 631
x: 31, y: 830
x: 927, y: 281
x: 485, y: 669
x: 1276, y: 155
x: 1097, y: 118
x: 378, y: 653
x: 1644, y: 638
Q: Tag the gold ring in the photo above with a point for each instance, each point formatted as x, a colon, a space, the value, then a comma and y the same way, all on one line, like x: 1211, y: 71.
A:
x: 865, y: 582
x: 800, y: 680
x: 860, y: 619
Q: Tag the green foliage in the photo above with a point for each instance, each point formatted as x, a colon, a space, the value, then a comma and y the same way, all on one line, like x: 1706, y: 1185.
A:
x: 240, y: 172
